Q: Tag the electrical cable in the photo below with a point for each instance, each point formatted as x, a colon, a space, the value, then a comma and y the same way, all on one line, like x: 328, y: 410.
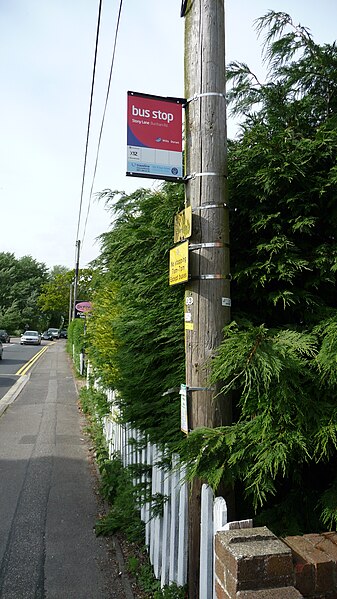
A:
x: 104, y: 113
x: 89, y: 117
x: 183, y: 8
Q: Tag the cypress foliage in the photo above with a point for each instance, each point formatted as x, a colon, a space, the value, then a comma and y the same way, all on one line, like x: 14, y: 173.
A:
x: 283, y: 178
x: 284, y: 441
x: 278, y: 355
x: 146, y: 320
x: 101, y: 345
x: 281, y: 450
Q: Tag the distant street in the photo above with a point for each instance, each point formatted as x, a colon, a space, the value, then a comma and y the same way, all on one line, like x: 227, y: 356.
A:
x: 15, y: 356
x: 48, y: 501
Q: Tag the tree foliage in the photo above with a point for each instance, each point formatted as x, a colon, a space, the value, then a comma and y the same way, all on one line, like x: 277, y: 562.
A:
x: 277, y: 358
x: 144, y: 344
x: 20, y: 282
x: 281, y: 450
x: 101, y: 342
x: 76, y: 341
x: 284, y: 439
x: 54, y: 298
x: 283, y: 177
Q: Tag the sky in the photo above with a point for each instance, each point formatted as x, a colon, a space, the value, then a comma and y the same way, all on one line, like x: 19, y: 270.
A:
x: 46, y: 61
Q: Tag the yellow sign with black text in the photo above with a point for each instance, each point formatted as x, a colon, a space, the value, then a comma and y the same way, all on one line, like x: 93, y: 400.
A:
x: 183, y: 225
x: 179, y: 264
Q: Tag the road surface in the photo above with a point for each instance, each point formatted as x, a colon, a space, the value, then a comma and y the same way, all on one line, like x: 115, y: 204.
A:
x: 48, y: 504
x: 15, y: 358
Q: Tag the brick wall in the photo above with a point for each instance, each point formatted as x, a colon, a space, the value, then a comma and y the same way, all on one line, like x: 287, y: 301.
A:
x: 315, y: 560
x: 253, y: 563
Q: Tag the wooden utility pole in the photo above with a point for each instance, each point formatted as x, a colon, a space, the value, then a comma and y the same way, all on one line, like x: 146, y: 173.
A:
x: 77, y: 265
x: 207, y: 297
x: 70, y: 314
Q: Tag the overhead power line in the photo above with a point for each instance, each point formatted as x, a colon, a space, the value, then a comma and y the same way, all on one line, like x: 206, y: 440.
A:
x: 89, y: 118
x: 104, y: 113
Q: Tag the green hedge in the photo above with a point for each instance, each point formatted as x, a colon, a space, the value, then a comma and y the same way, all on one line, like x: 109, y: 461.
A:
x: 76, y: 340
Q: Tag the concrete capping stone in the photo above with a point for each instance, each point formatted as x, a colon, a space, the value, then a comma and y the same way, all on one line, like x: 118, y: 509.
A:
x: 252, y: 559
x: 325, y: 543
x: 255, y: 564
x: 315, y: 569
x: 280, y: 593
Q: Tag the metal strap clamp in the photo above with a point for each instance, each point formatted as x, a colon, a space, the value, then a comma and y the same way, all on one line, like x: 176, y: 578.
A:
x: 209, y: 206
x: 194, y: 175
x: 203, y: 95
x: 209, y: 244
x: 211, y: 277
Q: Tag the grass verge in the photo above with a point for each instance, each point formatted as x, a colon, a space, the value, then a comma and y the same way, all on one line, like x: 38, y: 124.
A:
x: 123, y: 499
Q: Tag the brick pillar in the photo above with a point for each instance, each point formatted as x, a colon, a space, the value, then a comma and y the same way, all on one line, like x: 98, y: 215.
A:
x: 253, y: 563
x: 315, y: 564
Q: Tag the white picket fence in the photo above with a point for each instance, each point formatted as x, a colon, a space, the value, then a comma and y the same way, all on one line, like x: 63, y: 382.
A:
x: 166, y: 535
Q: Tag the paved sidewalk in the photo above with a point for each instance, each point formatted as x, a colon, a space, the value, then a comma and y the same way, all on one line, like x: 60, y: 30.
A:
x: 48, y: 505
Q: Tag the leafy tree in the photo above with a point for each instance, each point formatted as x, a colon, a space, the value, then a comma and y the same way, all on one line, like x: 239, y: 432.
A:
x: 58, y: 269
x: 54, y: 299
x: 281, y: 450
x: 20, y: 283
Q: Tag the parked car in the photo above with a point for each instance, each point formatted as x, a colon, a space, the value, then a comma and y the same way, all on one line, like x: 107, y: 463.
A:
x: 55, y: 333
x: 1, y: 350
x: 63, y: 334
x: 30, y: 338
x: 47, y: 336
x: 4, y: 337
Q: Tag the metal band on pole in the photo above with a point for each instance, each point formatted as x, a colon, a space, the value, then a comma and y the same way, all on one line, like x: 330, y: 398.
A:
x: 200, y: 389
x: 210, y: 277
x: 203, y: 95
x: 194, y: 175
x: 209, y: 206
x: 208, y: 244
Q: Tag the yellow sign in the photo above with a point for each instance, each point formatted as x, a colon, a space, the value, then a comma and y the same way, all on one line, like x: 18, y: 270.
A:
x: 179, y: 264
x: 183, y: 225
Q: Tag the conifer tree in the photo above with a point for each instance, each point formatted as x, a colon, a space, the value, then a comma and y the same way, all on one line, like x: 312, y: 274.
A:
x: 278, y: 355
x: 145, y: 345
